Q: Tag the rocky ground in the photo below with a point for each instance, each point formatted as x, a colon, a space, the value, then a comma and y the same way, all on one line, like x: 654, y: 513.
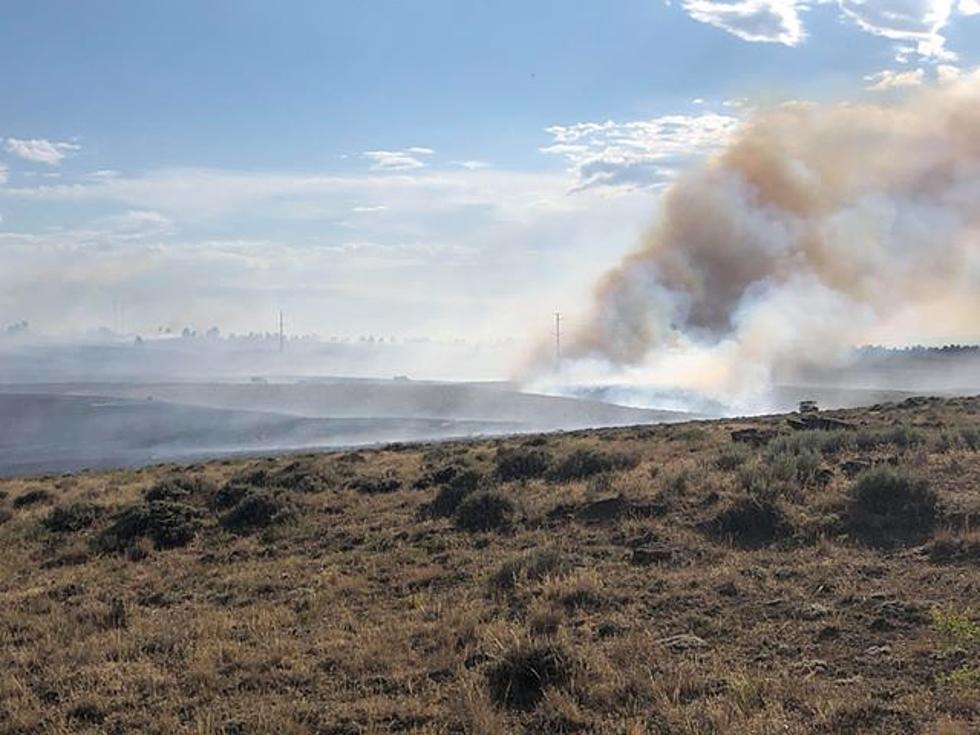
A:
x: 652, y: 579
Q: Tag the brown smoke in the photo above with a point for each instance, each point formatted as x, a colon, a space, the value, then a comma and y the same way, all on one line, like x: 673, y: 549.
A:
x: 818, y: 227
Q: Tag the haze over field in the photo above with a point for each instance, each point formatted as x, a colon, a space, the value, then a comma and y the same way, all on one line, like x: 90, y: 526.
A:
x: 723, y: 200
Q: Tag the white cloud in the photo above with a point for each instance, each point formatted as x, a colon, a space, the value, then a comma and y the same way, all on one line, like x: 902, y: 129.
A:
x: 368, y: 209
x: 4, y: 174
x: 400, y: 160
x: 916, y: 23
x: 770, y: 21
x: 639, y: 154
x: 890, y: 79
x: 40, y: 150
x: 472, y: 165
x: 947, y: 73
x: 916, y: 26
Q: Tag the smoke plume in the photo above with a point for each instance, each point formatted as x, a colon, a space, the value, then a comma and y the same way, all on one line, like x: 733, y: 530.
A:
x: 819, y: 227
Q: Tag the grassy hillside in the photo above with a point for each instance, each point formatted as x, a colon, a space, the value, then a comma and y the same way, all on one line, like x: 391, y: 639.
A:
x: 638, y: 580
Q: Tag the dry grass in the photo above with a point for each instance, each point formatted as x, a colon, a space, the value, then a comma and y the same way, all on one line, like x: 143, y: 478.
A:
x: 623, y: 593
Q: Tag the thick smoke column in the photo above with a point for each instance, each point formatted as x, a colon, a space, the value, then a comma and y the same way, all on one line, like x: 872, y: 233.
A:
x: 818, y: 228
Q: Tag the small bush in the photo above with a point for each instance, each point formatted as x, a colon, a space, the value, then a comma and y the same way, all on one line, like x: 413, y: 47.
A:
x: 72, y: 518
x: 519, y: 678
x: 181, y: 488
x: 970, y: 435
x: 32, y: 497
x: 229, y: 495
x: 531, y: 566
x: 437, y: 476
x: 452, y: 494
x: 301, y: 476
x: 890, y: 507
x: 582, y: 464
x: 750, y: 523
x: 256, y: 509
x: 166, y: 523
x: 956, y: 629
x: 733, y: 457
x: 485, y: 511
x: 962, y: 677
x: 905, y: 437
x: 375, y: 484
x: 521, y: 463
x: 755, y: 480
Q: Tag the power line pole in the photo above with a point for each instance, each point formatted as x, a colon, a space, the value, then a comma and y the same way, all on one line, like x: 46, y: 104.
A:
x: 281, y: 334
x: 557, y: 340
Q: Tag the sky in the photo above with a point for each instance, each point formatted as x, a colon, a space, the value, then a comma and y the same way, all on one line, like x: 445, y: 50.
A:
x: 447, y: 168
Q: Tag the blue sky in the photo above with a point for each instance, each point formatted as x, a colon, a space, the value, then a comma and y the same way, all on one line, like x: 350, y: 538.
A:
x: 439, y: 167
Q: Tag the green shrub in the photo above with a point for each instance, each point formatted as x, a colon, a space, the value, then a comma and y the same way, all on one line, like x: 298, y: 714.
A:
x: 257, y: 509
x: 905, y: 437
x: 72, y: 518
x: 166, y: 523
x: 733, y: 457
x: 486, y: 510
x: 181, y: 488
x: 890, y: 507
x: 955, y: 628
x: 32, y: 497
x: 452, y: 494
x: 375, y: 484
x: 750, y: 523
x: 582, y: 464
x: 521, y: 463
x: 970, y: 436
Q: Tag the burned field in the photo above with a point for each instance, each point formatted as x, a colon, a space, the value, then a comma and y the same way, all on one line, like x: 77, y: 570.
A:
x: 656, y: 579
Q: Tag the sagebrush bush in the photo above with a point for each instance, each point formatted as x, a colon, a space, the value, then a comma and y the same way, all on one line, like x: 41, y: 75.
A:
x: 487, y: 510
x: 750, y: 522
x: 257, y: 509
x: 519, y: 678
x: 452, y: 494
x: 163, y: 522
x: 72, y: 518
x: 582, y: 464
x: 32, y: 497
x: 733, y: 457
x: 521, y: 463
x: 181, y: 488
x: 375, y: 484
x: 888, y: 507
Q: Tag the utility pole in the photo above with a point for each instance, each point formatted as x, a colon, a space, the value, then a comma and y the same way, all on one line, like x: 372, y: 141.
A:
x: 282, y: 337
x: 557, y: 340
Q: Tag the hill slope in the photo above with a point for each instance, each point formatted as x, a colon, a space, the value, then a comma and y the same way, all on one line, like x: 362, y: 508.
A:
x: 655, y: 579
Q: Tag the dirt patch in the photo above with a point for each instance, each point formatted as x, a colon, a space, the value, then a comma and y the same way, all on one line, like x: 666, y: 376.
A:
x: 955, y: 548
